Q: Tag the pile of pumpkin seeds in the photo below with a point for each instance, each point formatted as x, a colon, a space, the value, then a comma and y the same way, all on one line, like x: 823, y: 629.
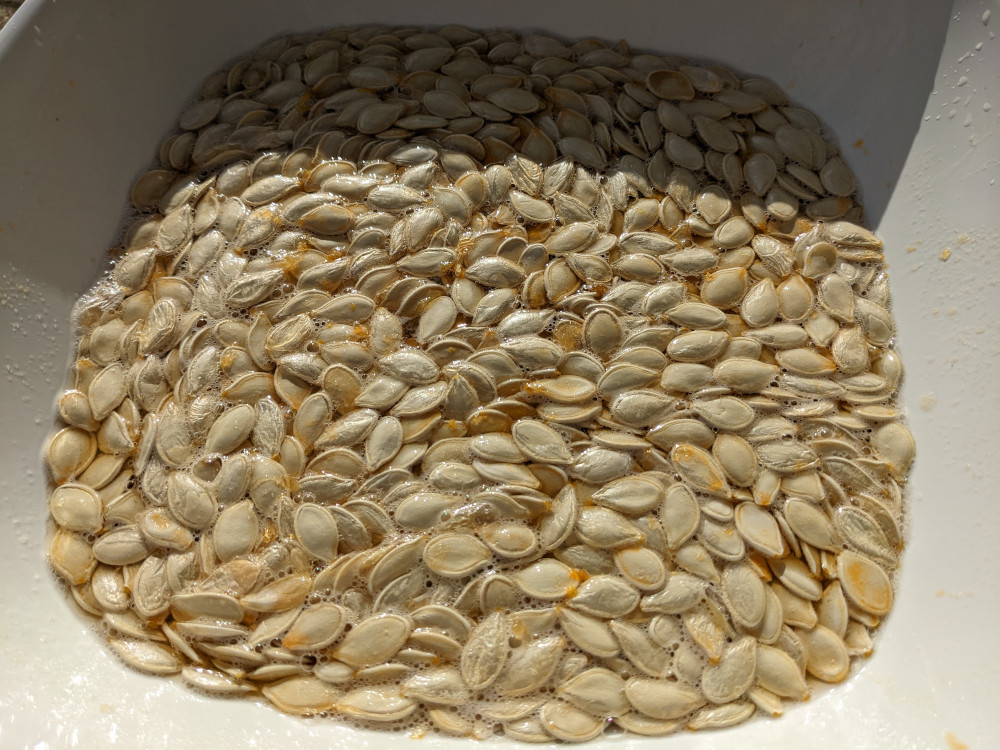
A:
x: 487, y: 383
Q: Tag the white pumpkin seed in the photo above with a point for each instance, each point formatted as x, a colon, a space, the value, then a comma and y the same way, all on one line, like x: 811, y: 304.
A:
x: 359, y: 332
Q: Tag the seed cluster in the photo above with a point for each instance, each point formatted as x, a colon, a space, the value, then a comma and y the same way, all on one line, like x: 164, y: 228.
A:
x: 490, y: 384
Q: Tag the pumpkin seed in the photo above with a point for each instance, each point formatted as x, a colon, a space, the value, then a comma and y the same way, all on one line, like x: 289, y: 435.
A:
x: 372, y: 353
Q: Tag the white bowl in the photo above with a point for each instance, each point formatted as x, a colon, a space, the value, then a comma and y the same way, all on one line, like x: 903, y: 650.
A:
x: 87, y: 92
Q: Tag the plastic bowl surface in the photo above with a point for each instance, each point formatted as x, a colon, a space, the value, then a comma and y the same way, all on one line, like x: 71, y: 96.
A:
x: 910, y: 89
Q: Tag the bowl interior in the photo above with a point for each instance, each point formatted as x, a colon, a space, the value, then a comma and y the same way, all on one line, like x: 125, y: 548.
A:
x: 89, y: 93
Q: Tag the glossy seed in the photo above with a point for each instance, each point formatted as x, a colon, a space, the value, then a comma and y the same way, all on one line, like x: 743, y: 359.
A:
x: 485, y: 653
x: 865, y: 584
x: 661, y: 699
x: 455, y: 555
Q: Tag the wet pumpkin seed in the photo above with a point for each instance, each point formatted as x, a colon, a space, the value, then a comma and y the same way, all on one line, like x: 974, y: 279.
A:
x: 407, y: 349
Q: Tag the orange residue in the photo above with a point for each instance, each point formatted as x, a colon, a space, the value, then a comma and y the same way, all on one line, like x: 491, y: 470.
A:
x: 464, y: 245
x: 305, y: 103
x: 329, y: 286
x: 533, y: 388
x: 538, y: 233
x: 268, y: 534
x: 954, y: 743
x: 871, y: 590
x: 579, y: 575
x: 854, y: 573
x: 289, y: 264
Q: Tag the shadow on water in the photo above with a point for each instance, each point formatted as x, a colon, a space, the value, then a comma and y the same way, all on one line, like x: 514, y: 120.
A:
x: 874, y: 93
x: 890, y: 127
